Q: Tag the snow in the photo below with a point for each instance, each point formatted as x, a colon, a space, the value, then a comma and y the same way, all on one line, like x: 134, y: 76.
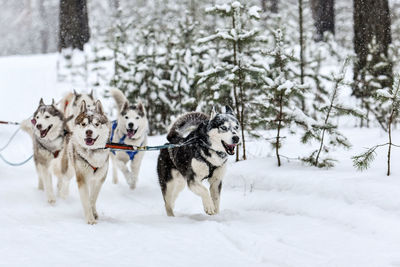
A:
x: 254, y: 12
x: 270, y: 216
x: 384, y: 93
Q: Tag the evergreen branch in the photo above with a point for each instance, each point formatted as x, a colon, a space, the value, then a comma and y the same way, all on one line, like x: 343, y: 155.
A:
x: 363, y: 161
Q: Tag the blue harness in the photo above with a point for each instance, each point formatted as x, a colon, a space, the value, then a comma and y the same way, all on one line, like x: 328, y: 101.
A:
x: 131, y: 154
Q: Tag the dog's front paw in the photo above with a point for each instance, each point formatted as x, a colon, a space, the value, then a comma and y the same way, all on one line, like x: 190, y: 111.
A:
x: 132, y: 184
x: 91, y: 220
x: 51, y: 200
x: 209, y: 208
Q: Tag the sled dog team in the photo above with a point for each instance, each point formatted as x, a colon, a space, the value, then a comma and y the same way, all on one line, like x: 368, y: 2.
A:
x: 70, y: 139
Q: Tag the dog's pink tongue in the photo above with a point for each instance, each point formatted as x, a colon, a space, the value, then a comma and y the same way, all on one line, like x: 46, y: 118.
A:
x: 131, y: 134
x: 232, y: 146
x: 89, y: 141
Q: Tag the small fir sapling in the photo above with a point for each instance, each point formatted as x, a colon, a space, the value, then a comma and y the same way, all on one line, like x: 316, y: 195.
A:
x: 276, y: 106
x: 389, y: 96
x: 325, y: 132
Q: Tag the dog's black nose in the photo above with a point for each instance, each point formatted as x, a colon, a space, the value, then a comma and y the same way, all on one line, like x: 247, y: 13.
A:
x: 235, y: 139
x: 130, y: 125
x: 39, y: 126
x: 89, y: 132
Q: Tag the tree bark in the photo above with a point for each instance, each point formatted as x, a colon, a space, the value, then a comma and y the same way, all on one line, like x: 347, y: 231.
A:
x: 272, y: 6
x: 323, y: 12
x: 44, y: 34
x: 74, y: 25
x: 371, y: 19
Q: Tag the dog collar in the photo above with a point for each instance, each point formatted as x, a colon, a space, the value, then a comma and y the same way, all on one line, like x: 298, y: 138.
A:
x: 55, y: 153
x: 220, y: 154
x: 88, y: 163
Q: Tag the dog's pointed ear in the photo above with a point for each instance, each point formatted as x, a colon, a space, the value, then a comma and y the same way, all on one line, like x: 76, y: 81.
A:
x: 41, y: 103
x: 213, y: 113
x: 140, y: 108
x: 99, y: 107
x: 91, y: 94
x: 76, y: 94
x: 83, y: 107
x: 125, y: 107
x: 228, y: 110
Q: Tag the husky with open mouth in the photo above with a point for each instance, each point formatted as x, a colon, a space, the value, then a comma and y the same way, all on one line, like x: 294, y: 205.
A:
x: 91, y: 132
x: 209, y: 141
x: 130, y: 128
x: 50, y: 135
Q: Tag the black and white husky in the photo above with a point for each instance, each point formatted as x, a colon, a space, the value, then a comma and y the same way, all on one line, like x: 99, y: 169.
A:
x: 130, y: 128
x: 210, y: 140
x: 50, y: 136
x: 90, y: 134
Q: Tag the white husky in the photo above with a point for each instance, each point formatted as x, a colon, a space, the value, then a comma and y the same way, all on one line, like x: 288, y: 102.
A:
x: 71, y: 102
x: 131, y: 129
x: 91, y: 132
x: 50, y: 136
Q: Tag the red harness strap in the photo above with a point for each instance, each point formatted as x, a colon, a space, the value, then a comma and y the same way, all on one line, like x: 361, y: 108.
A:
x: 55, y: 154
x: 94, y: 168
x: 66, y: 104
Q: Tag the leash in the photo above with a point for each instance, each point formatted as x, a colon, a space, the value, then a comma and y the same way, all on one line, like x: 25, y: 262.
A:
x: 8, y: 143
x: 123, y: 147
x: 16, y: 164
x: 9, y: 122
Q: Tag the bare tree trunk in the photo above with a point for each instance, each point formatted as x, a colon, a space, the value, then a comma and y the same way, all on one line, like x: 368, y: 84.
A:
x: 115, y: 4
x: 44, y: 34
x: 74, y: 24
x: 371, y: 19
x: 323, y: 12
x: 272, y: 6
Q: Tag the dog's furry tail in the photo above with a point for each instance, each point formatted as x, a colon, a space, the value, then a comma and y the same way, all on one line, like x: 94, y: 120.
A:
x: 184, y: 125
x: 26, y: 126
x: 119, y: 97
x: 65, y: 101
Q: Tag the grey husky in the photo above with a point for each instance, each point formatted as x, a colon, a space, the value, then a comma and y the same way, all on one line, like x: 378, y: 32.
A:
x: 90, y: 134
x: 209, y: 141
x: 50, y: 136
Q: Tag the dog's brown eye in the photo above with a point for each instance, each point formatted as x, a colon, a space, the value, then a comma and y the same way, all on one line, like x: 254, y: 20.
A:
x: 83, y: 124
x: 137, y: 118
x: 223, y: 128
x: 97, y: 124
x: 47, y: 117
x: 126, y: 117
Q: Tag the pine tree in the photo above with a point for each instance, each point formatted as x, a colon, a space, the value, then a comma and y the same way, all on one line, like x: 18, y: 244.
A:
x: 276, y: 106
x: 236, y: 68
x: 391, y: 97
x: 327, y: 133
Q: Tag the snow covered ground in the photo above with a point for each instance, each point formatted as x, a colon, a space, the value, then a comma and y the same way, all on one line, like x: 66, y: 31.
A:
x: 289, y: 216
